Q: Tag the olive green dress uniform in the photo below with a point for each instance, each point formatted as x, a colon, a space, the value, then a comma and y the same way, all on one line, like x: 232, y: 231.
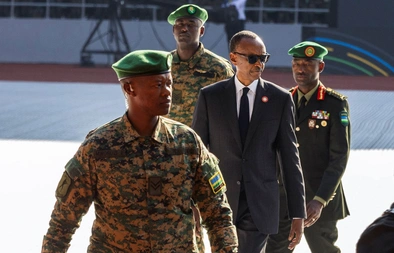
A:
x: 141, y: 189
x: 202, y: 69
x: 323, y: 135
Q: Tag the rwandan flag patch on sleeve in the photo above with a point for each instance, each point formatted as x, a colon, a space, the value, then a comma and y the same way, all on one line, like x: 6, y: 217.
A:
x: 217, y: 182
x: 344, y: 118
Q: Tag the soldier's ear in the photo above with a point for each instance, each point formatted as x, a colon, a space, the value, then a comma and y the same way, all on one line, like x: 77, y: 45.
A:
x: 321, y: 66
x: 202, y: 31
x: 128, y: 88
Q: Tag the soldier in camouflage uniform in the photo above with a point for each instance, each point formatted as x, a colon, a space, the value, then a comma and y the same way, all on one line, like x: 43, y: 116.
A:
x: 141, y: 172
x: 193, y: 66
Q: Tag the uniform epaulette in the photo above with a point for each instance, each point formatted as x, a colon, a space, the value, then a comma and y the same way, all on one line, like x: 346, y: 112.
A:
x: 336, y: 94
x: 293, y: 90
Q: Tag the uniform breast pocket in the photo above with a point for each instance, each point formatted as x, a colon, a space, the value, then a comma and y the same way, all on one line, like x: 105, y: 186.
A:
x: 177, y: 171
x: 120, y: 187
x: 315, y: 129
x: 179, y: 158
x: 322, y: 130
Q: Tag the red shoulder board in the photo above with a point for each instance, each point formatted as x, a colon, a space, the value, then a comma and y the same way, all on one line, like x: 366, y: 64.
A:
x: 321, y: 92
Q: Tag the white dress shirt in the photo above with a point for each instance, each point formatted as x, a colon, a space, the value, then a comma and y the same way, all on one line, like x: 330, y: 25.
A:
x: 251, y: 94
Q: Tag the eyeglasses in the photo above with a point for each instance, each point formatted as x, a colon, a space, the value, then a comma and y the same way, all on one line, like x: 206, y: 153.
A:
x: 252, y: 59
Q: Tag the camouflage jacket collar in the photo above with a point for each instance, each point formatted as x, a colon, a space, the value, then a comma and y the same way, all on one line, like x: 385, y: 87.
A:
x: 193, y: 60
x: 160, y: 134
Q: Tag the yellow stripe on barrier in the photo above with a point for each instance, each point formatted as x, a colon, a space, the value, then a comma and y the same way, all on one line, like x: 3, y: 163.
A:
x: 367, y: 63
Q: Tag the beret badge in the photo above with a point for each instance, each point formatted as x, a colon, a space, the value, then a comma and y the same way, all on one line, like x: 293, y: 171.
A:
x: 188, y: 11
x: 309, y: 51
x: 191, y: 10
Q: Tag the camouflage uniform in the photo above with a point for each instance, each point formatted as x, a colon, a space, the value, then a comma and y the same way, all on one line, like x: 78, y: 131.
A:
x: 141, y: 189
x: 202, y: 69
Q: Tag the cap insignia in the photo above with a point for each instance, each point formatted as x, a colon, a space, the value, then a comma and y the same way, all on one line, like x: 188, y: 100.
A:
x: 309, y: 51
x: 191, y: 10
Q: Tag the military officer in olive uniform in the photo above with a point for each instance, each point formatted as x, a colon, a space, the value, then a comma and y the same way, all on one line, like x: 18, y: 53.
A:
x: 323, y: 134
x: 141, y: 171
x: 193, y: 66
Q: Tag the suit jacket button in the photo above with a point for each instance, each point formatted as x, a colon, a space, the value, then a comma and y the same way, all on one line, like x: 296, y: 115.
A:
x: 297, y: 145
x: 238, y: 182
x: 297, y: 129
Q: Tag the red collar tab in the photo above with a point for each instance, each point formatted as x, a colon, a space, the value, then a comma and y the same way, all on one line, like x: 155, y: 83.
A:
x: 294, y: 90
x: 321, y: 92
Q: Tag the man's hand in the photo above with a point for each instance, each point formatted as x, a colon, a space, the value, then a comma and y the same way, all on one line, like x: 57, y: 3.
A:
x: 313, y: 210
x: 296, y: 231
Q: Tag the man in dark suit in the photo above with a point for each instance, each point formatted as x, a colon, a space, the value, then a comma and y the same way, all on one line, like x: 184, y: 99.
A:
x: 248, y: 123
x: 323, y: 134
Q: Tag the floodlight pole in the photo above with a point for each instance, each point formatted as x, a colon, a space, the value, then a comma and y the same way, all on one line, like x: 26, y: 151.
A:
x: 114, y: 28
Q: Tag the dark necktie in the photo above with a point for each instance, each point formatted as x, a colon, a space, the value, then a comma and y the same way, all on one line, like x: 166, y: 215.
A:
x: 301, y: 107
x: 243, y: 118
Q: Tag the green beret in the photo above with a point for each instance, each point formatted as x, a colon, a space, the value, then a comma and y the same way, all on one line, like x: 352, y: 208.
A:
x: 190, y: 11
x: 308, y: 49
x: 143, y: 62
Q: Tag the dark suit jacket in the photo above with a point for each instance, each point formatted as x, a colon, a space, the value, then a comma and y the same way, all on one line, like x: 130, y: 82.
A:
x: 324, y: 145
x: 271, y: 132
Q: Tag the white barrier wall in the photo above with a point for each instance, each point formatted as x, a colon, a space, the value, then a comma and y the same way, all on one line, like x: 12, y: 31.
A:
x: 61, y: 41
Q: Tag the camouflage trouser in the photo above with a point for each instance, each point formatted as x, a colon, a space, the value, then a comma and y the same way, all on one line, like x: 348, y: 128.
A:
x: 199, y: 230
